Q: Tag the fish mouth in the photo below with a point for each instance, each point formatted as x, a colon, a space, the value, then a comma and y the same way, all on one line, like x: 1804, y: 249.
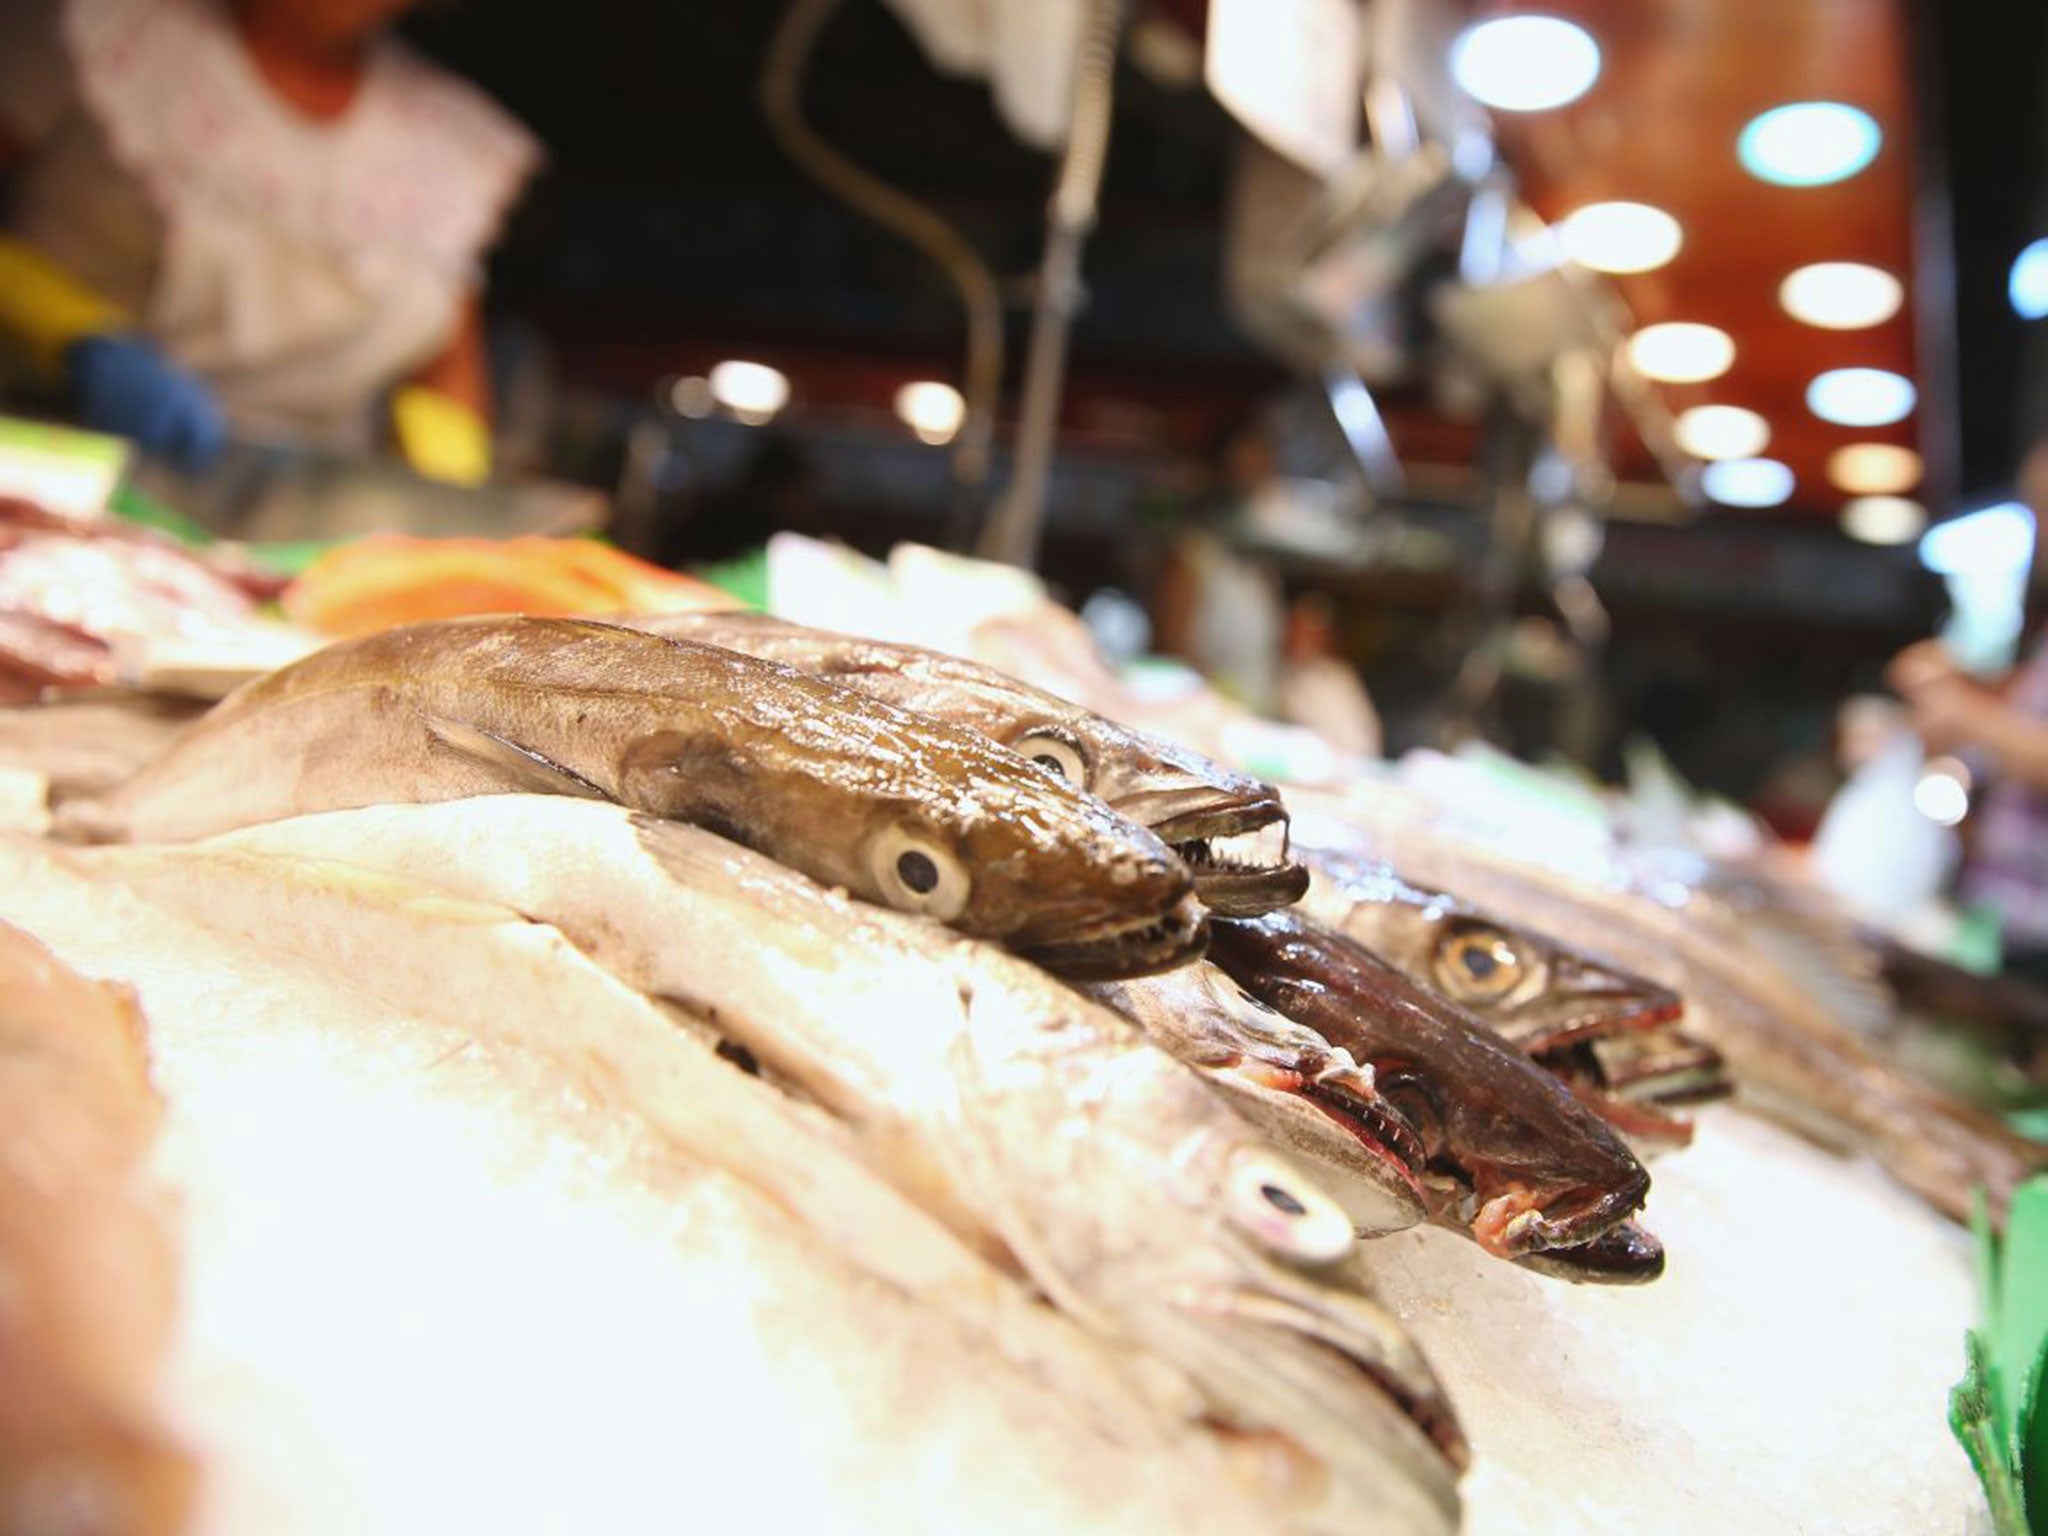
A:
x: 1660, y: 1066
x: 1586, y: 1015
x: 1513, y: 1220
x: 1129, y: 948
x: 1627, y: 1253
x: 1235, y: 846
x: 1342, y: 1330
x: 1343, y: 1101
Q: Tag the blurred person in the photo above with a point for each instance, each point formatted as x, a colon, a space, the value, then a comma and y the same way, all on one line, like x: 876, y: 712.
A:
x: 262, y: 217
x: 2002, y: 726
x: 1213, y: 607
x: 1318, y: 687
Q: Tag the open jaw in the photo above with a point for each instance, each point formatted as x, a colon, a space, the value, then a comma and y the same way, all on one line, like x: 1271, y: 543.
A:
x: 1379, y: 1129
x: 1582, y: 1233
x: 1321, y: 1326
x: 1237, y: 851
x: 1591, y: 1015
x: 1133, y: 947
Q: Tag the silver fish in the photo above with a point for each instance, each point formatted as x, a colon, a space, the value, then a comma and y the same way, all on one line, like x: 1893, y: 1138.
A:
x: 1230, y: 827
x: 1037, y: 1124
x: 900, y: 810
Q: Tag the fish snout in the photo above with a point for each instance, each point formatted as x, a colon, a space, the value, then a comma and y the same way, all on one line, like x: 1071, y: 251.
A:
x: 1517, y: 1220
x: 1235, y: 845
x: 1122, y: 944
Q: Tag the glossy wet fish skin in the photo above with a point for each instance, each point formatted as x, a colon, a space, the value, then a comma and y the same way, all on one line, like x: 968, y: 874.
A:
x: 844, y: 786
x: 1310, y: 1099
x: 1786, y: 1054
x: 1562, y: 1006
x: 87, y: 1272
x: 1183, y: 796
x: 1037, y: 1125
x: 1532, y: 1169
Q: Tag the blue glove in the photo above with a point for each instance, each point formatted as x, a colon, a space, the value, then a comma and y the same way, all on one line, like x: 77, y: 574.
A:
x: 124, y: 385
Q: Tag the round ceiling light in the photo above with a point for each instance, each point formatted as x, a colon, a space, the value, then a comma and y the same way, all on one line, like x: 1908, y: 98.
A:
x: 1747, y: 482
x: 1525, y: 63
x: 1620, y: 237
x: 1722, y: 432
x: 1884, y: 519
x: 1875, y: 469
x: 1861, y: 397
x: 1809, y: 143
x: 2028, y: 285
x: 1679, y: 352
x: 1841, y: 295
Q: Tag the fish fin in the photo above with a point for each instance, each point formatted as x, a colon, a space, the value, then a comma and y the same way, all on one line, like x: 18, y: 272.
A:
x: 1826, y: 960
x: 523, y: 767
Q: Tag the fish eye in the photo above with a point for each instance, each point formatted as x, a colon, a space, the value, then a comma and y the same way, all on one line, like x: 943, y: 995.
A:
x: 914, y: 874
x: 1478, y: 963
x: 1282, y: 1211
x: 1056, y: 754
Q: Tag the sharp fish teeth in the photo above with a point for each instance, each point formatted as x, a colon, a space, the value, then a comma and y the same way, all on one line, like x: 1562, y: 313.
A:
x: 1259, y: 849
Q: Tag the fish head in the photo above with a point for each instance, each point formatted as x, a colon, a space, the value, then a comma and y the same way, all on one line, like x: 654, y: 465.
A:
x: 1134, y: 1197
x: 1045, y: 869
x: 1508, y: 1154
x: 1311, y: 1100
x: 1230, y: 828
x: 1534, y: 991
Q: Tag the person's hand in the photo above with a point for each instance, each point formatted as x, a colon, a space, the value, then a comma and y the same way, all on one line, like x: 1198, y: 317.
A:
x: 1949, y: 713
x: 124, y: 385
x: 1924, y: 664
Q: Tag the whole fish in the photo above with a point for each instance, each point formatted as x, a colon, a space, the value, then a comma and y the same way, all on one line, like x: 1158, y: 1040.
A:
x: 900, y: 810
x: 1789, y: 1055
x: 1230, y: 827
x: 1037, y: 1124
x: 1608, y: 1034
x: 1504, y: 1152
x: 267, y: 975
x: 87, y: 1270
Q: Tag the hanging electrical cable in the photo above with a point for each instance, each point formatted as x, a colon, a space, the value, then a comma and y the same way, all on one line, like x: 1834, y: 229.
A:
x: 781, y: 95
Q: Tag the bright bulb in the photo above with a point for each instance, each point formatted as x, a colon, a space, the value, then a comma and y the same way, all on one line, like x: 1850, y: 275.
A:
x: 1809, y: 143
x: 1722, y: 432
x: 1679, y: 352
x: 1941, y: 798
x: 2028, y: 285
x: 754, y: 392
x: 1620, y: 237
x: 932, y: 410
x: 1875, y: 469
x: 1883, y: 519
x: 1861, y: 397
x: 1841, y: 295
x: 1747, y: 482
x: 1990, y: 541
x: 1525, y: 63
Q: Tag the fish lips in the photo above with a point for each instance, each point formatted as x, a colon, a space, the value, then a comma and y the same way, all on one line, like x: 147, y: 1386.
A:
x: 1625, y: 1254
x: 1235, y: 846
x: 1350, y: 1332
x: 1130, y: 948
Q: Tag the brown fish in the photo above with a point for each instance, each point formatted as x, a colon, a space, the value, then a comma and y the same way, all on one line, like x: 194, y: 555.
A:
x: 900, y: 810
x: 1609, y: 1034
x: 1504, y: 1152
x: 1229, y: 827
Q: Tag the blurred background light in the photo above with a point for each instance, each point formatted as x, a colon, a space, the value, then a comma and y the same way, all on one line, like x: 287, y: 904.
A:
x: 1861, y: 397
x: 1679, y: 352
x: 754, y: 392
x: 1992, y: 540
x: 1808, y: 143
x: 691, y: 396
x: 2028, y: 285
x: 1940, y: 796
x: 1722, y: 432
x: 1525, y: 63
x: 1841, y: 295
x: 932, y: 410
x: 1747, y: 482
x: 1875, y: 469
x: 1620, y: 237
x: 1883, y: 519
